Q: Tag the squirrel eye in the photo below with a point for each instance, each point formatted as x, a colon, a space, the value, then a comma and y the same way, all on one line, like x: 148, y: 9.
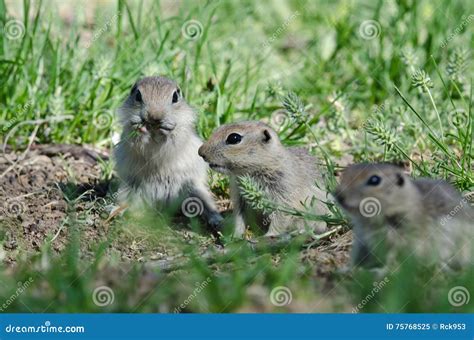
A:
x: 233, y: 138
x: 374, y: 180
x: 400, y: 180
x: 138, y: 96
x: 175, y: 96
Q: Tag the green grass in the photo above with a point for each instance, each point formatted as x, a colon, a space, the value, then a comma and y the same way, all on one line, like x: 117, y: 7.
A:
x: 403, y: 95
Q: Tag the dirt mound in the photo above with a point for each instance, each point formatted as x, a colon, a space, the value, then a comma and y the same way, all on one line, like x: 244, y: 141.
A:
x: 34, y: 207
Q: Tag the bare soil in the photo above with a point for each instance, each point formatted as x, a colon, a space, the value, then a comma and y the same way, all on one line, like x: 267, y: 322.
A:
x: 34, y: 208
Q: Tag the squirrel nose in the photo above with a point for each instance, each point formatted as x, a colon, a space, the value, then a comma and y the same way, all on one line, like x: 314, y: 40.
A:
x: 155, y: 115
x: 201, y: 153
x: 339, y: 196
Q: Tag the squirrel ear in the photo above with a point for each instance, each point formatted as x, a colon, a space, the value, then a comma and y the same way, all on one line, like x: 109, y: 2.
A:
x: 266, y: 136
x: 400, y: 180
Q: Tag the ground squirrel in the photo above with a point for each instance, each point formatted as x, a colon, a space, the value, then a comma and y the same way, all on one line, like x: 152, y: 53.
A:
x: 157, y: 157
x: 286, y: 175
x: 392, y: 211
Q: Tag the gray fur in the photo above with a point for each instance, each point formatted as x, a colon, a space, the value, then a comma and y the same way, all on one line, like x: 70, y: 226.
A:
x: 160, y: 167
x: 286, y: 175
x: 428, y: 217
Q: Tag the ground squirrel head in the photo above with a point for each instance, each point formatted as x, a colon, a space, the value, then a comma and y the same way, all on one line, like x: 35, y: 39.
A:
x: 243, y: 148
x: 155, y: 109
x: 369, y: 190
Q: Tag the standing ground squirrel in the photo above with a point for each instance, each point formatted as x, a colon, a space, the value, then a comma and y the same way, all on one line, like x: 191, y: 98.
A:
x: 157, y: 157
x: 286, y: 175
x: 425, y: 217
